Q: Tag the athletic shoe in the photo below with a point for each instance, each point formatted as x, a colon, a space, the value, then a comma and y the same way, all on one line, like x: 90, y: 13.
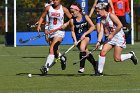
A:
x: 81, y: 70
x: 63, y: 60
x: 134, y: 58
x: 99, y: 74
x: 44, y: 70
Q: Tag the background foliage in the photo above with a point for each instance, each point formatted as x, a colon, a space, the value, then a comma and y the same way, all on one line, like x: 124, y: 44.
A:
x: 28, y: 11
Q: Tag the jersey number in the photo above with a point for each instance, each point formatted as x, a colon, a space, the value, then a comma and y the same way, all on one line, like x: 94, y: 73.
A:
x: 80, y: 30
x: 55, y: 21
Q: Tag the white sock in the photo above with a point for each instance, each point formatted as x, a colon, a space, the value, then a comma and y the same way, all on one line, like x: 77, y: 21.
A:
x: 49, y: 60
x: 126, y: 56
x: 101, y: 63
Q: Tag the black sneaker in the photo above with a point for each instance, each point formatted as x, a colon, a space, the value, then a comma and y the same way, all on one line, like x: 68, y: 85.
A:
x: 134, y: 58
x: 43, y: 70
x: 99, y: 74
x: 63, y: 60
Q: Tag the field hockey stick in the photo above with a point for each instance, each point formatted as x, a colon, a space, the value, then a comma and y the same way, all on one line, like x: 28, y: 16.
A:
x: 85, y: 56
x: 63, y: 54
x: 89, y: 53
x: 39, y: 36
x: 35, y: 25
x: 31, y: 39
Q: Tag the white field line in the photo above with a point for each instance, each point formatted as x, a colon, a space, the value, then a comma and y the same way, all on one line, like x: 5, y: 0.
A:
x: 110, y: 90
x: 23, y: 55
x: 101, y: 91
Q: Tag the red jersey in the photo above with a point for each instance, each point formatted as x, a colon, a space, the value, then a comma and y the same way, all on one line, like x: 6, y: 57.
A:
x: 120, y: 7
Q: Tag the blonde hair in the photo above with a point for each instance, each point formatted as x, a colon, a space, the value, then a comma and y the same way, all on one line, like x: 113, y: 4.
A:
x: 101, y: 6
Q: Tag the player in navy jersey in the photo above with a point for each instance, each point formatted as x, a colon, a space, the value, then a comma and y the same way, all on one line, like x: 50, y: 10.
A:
x: 80, y: 31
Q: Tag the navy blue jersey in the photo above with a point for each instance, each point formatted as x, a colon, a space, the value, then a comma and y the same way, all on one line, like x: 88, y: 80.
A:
x: 80, y: 27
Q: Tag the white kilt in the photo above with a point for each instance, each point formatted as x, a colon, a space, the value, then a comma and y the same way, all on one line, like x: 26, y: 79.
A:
x: 58, y: 33
x: 118, y: 40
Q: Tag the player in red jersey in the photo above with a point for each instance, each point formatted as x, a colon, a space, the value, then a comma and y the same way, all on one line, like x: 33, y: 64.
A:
x: 121, y: 7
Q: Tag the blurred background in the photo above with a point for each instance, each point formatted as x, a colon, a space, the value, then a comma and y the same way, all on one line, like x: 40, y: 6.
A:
x: 28, y: 11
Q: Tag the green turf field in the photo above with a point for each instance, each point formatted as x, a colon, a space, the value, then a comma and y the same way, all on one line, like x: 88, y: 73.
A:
x: 16, y: 63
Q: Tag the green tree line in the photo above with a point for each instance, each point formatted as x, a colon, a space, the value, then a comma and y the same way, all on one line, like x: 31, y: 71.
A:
x: 29, y: 11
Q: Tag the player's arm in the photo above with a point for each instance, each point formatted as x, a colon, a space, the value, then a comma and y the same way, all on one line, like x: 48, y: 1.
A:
x: 67, y: 13
x: 65, y: 25
x: 92, y: 27
x: 112, y: 7
x: 72, y: 31
x: 118, y: 23
x: 93, y: 8
x: 100, y: 35
x: 42, y: 18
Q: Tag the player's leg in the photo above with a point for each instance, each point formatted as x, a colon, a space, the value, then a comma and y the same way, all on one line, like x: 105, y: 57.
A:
x: 101, y: 61
x: 82, y: 49
x: 119, y: 57
x: 91, y: 59
x: 53, y: 47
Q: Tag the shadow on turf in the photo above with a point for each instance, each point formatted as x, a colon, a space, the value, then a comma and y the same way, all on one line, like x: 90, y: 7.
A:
x: 76, y: 75
x: 48, y: 75
x: 33, y: 57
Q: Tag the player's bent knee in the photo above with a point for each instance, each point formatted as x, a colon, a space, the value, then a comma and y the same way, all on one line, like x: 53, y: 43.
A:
x: 102, y: 53
x: 51, y: 51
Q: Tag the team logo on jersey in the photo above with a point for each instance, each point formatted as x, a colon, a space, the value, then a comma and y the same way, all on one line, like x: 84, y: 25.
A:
x: 81, y: 25
x: 120, y: 5
x: 55, y: 14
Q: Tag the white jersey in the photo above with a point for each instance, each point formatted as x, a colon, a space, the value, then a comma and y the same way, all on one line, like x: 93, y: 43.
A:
x: 119, y: 38
x: 56, y: 17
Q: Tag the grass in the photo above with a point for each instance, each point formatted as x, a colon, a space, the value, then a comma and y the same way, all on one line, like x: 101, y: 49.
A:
x: 16, y: 63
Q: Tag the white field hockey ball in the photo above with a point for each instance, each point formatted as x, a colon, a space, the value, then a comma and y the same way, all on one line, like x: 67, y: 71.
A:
x: 29, y: 75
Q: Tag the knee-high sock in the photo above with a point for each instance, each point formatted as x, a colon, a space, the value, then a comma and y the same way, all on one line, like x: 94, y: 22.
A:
x: 49, y: 60
x: 91, y: 59
x: 101, y: 63
x: 82, y: 62
x: 126, y: 56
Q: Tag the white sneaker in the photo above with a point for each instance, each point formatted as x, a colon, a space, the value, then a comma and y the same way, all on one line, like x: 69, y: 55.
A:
x: 81, y: 70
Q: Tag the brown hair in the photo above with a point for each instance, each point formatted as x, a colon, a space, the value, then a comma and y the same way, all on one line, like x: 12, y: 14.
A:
x: 78, y: 5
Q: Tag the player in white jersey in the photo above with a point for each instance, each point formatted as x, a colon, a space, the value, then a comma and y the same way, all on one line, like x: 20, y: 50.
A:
x: 98, y: 18
x: 116, y: 39
x: 56, y: 19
